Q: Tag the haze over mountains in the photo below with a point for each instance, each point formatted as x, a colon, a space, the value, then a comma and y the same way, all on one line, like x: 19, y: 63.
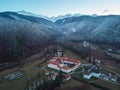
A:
x: 22, y: 34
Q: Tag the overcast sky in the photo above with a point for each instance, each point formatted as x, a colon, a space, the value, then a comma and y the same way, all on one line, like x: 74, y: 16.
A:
x: 62, y: 7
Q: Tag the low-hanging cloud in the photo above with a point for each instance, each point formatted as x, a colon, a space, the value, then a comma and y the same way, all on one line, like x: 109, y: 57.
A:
x: 105, y: 11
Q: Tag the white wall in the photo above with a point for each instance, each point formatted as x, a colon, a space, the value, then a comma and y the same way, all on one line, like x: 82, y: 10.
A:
x: 92, y: 74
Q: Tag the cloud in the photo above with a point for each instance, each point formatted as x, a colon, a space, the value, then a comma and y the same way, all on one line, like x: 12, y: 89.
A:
x: 105, y: 11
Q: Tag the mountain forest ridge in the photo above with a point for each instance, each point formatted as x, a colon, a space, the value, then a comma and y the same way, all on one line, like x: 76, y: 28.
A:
x: 51, y: 18
x: 22, y: 35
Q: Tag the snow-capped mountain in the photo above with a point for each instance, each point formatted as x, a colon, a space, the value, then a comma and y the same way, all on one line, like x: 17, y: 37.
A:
x: 23, y: 12
x: 53, y: 18
x: 64, y: 16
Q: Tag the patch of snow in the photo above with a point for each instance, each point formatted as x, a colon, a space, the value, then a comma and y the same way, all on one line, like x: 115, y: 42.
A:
x: 73, y: 29
x: 63, y: 20
x: 49, y: 26
x: 18, y: 18
x: 64, y: 33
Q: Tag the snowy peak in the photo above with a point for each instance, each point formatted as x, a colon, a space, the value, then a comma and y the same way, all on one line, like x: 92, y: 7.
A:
x: 54, y: 18
x: 23, y: 12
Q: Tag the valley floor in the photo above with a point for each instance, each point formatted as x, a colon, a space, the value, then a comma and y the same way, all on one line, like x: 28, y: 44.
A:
x: 31, y: 74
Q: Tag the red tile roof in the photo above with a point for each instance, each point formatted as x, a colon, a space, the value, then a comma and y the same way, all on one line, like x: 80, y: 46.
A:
x: 59, y: 61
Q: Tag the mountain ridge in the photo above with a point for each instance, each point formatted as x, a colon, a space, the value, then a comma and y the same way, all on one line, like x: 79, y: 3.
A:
x: 22, y: 35
x: 91, y: 28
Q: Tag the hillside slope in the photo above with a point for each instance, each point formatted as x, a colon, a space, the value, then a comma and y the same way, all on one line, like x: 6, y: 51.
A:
x: 21, y: 36
x: 100, y: 29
